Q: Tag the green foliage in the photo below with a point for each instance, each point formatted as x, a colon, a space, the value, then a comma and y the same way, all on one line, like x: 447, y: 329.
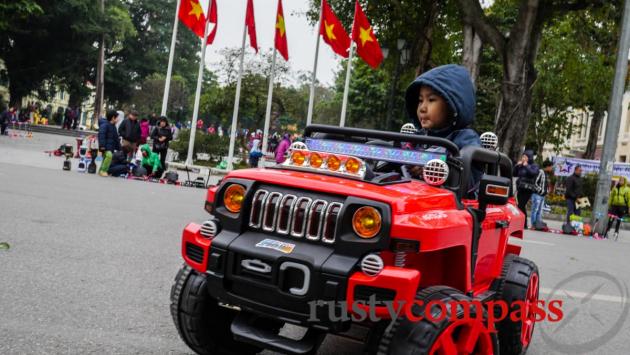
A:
x: 215, y: 146
x: 147, y: 97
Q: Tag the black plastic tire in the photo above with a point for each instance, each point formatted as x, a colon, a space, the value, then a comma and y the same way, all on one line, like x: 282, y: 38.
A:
x: 408, y: 337
x: 511, y: 287
x: 201, y: 323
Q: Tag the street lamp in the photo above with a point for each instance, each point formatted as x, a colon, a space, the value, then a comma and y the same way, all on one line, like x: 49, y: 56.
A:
x: 403, y: 57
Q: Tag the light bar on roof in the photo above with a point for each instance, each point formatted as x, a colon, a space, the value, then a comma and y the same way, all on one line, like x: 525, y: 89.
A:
x: 365, y: 151
x: 331, y: 164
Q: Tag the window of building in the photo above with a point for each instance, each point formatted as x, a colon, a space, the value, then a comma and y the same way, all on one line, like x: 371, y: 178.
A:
x: 622, y: 158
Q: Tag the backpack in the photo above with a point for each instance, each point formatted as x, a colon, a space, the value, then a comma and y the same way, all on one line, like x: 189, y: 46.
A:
x: 171, y: 177
x: 567, y: 228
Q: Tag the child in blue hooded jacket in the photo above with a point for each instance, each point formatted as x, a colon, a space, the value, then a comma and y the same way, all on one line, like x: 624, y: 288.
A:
x: 441, y: 103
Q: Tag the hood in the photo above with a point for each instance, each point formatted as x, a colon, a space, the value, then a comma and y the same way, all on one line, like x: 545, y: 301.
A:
x: 145, y: 148
x: 530, y: 156
x: 453, y: 83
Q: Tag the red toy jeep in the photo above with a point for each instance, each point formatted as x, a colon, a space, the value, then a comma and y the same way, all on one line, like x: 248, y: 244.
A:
x: 343, y: 236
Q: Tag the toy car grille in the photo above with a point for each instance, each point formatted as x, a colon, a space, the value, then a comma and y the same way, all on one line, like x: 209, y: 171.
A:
x: 489, y: 140
x: 299, y: 217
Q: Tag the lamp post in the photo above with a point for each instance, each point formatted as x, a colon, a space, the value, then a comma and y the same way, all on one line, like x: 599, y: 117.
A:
x: 403, y: 57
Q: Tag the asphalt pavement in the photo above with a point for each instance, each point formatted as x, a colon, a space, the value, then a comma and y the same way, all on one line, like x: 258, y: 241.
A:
x: 92, y: 259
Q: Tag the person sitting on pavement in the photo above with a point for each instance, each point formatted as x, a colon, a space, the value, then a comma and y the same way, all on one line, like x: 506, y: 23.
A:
x: 618, y: 204
x: 119, y: 165
x: 151, y: 162
x: 108, y: 141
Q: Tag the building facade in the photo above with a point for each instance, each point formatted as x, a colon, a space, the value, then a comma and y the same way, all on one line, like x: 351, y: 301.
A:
x: 575, y: 145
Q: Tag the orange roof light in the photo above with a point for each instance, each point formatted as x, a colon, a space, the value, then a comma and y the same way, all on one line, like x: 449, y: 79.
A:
x: 333, y: 163
x: 298, y: 157
x: 316, y: 160
x: 352, y: 165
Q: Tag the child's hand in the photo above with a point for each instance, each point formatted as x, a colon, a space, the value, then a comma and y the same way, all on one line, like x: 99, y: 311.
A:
x: 415, y: 171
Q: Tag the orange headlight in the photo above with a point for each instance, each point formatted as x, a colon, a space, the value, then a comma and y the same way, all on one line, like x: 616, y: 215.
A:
x: 234, y: 197
x: 333, y: 163
x: 352, y: 166
x: 366, y: 222
x: 298, y: 157
x: 316, y: 160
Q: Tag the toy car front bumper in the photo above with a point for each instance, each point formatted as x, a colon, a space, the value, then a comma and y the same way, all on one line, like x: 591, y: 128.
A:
x: 292, y: 280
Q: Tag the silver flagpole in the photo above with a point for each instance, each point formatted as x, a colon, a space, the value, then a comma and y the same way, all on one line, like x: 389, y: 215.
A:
x: 344, y: 105
x: 171, y: 57
x: 193, y: 123
x: 236, y: 100
x: 311, y: 99
x: 268, y: 113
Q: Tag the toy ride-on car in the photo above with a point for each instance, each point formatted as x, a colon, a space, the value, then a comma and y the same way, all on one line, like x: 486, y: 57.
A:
x: 349, y: 229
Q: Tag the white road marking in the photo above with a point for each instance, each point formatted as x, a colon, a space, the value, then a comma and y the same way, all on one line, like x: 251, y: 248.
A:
x: 517, y: 241
x: 582, y: 295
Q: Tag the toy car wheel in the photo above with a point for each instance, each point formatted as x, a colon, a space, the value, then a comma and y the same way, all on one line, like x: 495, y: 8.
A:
x: 201, y: 323
x: 440, y: 333
x: 518, y: 282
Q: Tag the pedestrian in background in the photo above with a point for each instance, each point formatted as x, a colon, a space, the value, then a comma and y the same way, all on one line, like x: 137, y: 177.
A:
x: 161, y: 136
x: 130, y: 132
x: 538, y: 197
x: 151, y: 162
x: 108, y: 141
x: 573, y: 190
x: 4, y: 122
x: 282, y: 149
x: 618, y: 204
x: 144, y: 130
x: 526, y: 171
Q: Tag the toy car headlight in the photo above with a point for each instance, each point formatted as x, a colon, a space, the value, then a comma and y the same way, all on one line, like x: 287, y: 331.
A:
x: 366, y: 222
x: 435, y: 172
x: 234, y: 197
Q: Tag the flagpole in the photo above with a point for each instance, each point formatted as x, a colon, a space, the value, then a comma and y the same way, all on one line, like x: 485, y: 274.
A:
x: 171, y: 57
x: 236, y: 101
x: 344, y: 105
x: 311, y: 99
x: 193, y: 123
x: 269, y: 97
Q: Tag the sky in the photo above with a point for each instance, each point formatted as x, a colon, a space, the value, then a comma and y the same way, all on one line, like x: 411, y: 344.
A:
x: 300, y: 34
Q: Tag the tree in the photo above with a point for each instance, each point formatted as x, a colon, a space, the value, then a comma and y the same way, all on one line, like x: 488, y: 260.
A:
x: 516, y: 40
x: 67, y: 31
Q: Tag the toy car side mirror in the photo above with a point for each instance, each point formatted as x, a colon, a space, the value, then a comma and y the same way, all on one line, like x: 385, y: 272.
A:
x: 493, y: 190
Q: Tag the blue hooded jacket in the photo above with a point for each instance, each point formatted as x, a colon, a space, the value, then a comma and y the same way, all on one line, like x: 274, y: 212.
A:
x: 452, y: 82
x: 107, y: 135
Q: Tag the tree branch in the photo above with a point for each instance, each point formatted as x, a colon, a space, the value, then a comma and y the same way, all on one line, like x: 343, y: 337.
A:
x: 473, y: 15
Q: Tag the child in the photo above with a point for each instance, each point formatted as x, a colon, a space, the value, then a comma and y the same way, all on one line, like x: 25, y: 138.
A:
x: 441, y: 103
x: 151, y: 162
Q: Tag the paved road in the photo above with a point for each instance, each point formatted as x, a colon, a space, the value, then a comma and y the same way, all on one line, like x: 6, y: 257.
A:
x: 92, y: 260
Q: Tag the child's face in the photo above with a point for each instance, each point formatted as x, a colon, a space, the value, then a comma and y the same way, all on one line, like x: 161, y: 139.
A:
x: 432, y: 109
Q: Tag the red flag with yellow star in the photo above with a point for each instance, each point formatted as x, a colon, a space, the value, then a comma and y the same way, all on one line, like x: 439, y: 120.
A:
x: 191, y: 14
x: 281, y: 33
x: 333, y: 32
x: 363, y: 35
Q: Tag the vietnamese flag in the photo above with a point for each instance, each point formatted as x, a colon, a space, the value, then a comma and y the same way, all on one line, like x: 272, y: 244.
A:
x: 333, y: 32
x: 363, y: 35
x: 251, y: 25
x: 192, y: 15
x: 281, y: 33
